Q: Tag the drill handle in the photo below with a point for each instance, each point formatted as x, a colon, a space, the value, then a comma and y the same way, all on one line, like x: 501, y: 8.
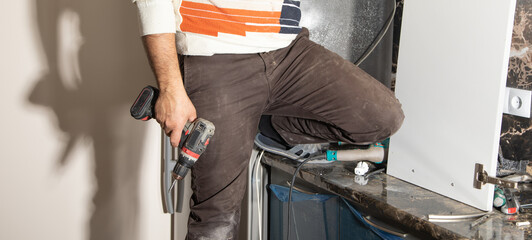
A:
x: 144, y: 106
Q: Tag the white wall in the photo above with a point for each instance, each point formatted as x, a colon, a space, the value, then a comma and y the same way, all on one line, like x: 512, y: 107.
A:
x: 74, y: 165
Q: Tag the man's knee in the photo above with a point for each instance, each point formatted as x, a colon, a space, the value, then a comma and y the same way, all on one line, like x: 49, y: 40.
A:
x: 376, y: 125
x: 392, y: 121
x: 222, y: 226
x: 389, y: 122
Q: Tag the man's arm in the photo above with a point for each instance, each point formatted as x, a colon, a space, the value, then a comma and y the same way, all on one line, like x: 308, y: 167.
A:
x: 173, y: 107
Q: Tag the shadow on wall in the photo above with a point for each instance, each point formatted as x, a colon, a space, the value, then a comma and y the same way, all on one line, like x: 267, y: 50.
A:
x: 96, y: 67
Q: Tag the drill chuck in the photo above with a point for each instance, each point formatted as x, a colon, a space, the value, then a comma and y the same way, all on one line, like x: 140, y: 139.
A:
x: 183, y: 165
x: 179, y: 171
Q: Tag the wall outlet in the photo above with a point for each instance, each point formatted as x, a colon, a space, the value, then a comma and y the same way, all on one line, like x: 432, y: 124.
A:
x: 517, y: 102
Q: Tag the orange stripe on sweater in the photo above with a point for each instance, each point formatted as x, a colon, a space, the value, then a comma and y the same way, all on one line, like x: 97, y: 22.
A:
x: 212, y: 27
x: 231, y: 11
x: 233, y: 18
x: 213, y: 20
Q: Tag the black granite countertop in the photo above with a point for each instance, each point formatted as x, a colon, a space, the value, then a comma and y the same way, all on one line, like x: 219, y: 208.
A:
x: 405, y: 205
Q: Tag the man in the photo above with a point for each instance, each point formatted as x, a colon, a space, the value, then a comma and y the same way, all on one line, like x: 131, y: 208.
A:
x: 240, y: 60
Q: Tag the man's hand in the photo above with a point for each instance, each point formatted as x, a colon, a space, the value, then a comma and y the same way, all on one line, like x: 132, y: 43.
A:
x: 173, y: 107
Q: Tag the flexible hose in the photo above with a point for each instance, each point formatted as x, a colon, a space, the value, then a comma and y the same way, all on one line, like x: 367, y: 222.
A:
x: 379, y: 37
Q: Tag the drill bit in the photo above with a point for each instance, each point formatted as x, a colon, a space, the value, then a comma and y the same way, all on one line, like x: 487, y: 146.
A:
x: 172, y: 186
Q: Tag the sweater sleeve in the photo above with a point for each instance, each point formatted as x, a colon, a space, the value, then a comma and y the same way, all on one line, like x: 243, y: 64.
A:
x: 156, y: 16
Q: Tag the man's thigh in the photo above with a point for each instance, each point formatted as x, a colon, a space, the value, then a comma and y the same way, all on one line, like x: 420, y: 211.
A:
x: 316, y: 92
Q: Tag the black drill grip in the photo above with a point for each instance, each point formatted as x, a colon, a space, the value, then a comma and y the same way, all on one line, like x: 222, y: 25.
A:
x: 144, y: 107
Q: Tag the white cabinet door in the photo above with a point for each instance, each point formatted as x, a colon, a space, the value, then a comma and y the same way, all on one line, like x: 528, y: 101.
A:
x: 452, y: 67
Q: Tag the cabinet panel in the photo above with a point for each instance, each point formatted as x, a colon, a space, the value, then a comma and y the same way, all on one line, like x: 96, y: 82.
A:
x: 452, y: 67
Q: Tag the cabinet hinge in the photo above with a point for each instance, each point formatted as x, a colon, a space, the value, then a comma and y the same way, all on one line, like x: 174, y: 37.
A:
x: 482, y: 177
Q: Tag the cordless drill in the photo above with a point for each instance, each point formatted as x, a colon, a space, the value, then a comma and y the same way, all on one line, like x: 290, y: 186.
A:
x: 194, y: 138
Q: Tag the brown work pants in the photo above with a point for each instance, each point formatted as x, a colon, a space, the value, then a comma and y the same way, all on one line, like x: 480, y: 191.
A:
x: 313, y: 96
